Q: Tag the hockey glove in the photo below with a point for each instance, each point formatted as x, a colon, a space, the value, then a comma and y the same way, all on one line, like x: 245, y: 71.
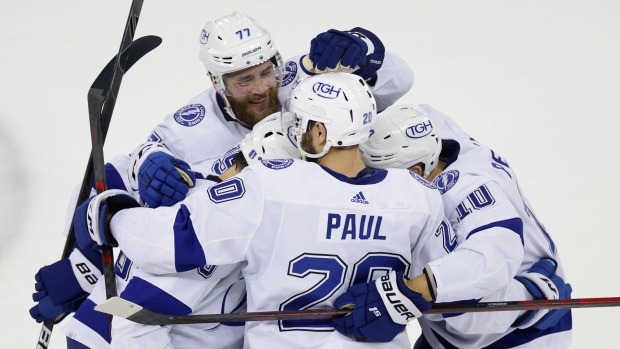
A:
x: 92, y: 219
x: 160, y: 178
x: 64, y: 285
x: 542, y: 282
x: 358, y: 51
x: 382, y: 308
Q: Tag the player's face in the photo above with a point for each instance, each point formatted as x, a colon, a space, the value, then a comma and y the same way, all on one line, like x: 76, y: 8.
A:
x: 309, y: 140
x: 253, y: 93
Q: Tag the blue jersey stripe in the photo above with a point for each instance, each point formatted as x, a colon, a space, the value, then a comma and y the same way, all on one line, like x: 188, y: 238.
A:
x: 153, y: 298
x: 188, y: 253
x: 113, y: 178
x: 519, y: 337
x: 95, y: 320
x: 513, y: 224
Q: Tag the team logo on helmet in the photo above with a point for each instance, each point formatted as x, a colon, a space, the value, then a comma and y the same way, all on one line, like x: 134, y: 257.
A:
x: 422, y: 180
x: 290, y: 134
x: 290, y: 72
x: 277, y: 164
x: 419, y: 130
x: 204, y: 37
x: 446, y: 180
x: 324, y: 90
x: 190, y: 115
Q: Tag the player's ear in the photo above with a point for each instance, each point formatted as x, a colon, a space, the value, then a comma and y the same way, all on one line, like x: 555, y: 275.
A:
x: 322, y: 132
x: 417, y: 169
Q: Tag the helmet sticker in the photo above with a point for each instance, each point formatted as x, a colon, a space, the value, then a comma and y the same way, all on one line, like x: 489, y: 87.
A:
x: 324, y: 90
x: 204, y: 37
x: 290, y: 72
x: 419, y: 130
x: 277, y: 164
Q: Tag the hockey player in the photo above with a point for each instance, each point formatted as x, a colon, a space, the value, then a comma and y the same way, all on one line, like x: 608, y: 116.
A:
x: 198, y: 133
x: 187, y: 292
x: 498, y: 236
x: 303, y: 231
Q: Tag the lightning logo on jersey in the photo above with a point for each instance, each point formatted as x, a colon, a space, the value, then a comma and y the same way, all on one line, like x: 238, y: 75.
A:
x: 190, y: 115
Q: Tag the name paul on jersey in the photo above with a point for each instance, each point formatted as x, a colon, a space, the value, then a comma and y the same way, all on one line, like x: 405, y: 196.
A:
x: 347, y: 225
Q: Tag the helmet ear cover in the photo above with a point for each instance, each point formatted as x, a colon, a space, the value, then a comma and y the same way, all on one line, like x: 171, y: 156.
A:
x: 403, y: 136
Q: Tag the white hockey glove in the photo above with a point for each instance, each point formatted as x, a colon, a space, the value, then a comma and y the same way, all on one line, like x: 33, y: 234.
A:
x: 92, y: 219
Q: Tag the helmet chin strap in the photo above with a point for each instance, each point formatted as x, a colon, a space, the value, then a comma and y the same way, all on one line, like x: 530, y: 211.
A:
x: 305, y: 154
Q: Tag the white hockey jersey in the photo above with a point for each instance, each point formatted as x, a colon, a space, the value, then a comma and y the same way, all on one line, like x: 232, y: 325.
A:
x: 199, y: 133
x: 304, y: 235
x: 498, y: 236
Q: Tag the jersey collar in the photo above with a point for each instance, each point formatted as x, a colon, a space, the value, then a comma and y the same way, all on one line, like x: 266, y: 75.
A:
x: 450, y: 150
x: 365, y: 177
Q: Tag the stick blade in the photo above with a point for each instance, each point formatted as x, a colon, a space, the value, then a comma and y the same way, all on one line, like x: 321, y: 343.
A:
x: 117, y: 306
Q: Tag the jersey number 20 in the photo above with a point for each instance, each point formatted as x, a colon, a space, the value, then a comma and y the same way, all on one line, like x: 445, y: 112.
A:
x: 334, y: 275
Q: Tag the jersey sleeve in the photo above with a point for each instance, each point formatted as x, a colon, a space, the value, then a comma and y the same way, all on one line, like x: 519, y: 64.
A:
x: 490, y: 247
x: 436, y: 239
x: 394, y: 79
x: 211, y: 226
x: 492, y: 321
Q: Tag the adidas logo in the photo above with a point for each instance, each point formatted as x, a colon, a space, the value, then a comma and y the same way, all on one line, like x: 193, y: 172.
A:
x: 359, y: 198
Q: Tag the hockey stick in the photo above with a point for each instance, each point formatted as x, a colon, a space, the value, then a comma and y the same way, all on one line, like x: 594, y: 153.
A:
x: 137, y: 50
x: 131, y: 52
x: 131, y: 311
x: 101, y: 101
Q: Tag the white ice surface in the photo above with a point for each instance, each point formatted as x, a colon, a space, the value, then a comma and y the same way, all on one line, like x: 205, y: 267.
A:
x: 539, y: 81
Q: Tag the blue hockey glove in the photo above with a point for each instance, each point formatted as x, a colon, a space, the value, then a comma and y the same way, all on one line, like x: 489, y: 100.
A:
x: 357, y: 49
x: 542, y: 282
x: 164, y: 180
x: 382, y: 308
x: 64, y: 285
x: 91, y: 222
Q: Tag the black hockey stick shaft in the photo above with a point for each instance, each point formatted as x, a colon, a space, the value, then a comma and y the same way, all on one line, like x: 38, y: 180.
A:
x: 137, y: 50
x: 134, y: 312
x: 100, y: 107
x: 132, y: 53
x: 524, y: 305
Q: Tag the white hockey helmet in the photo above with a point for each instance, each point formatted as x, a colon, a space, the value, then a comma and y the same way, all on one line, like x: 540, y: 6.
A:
x: 268, y: 141
x: 233, y: 43
x: 403, y: 136
x: 341, y: 101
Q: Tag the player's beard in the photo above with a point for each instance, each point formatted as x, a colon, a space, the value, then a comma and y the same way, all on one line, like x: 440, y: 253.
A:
x: 306, y: 145
x: 250, y: 116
